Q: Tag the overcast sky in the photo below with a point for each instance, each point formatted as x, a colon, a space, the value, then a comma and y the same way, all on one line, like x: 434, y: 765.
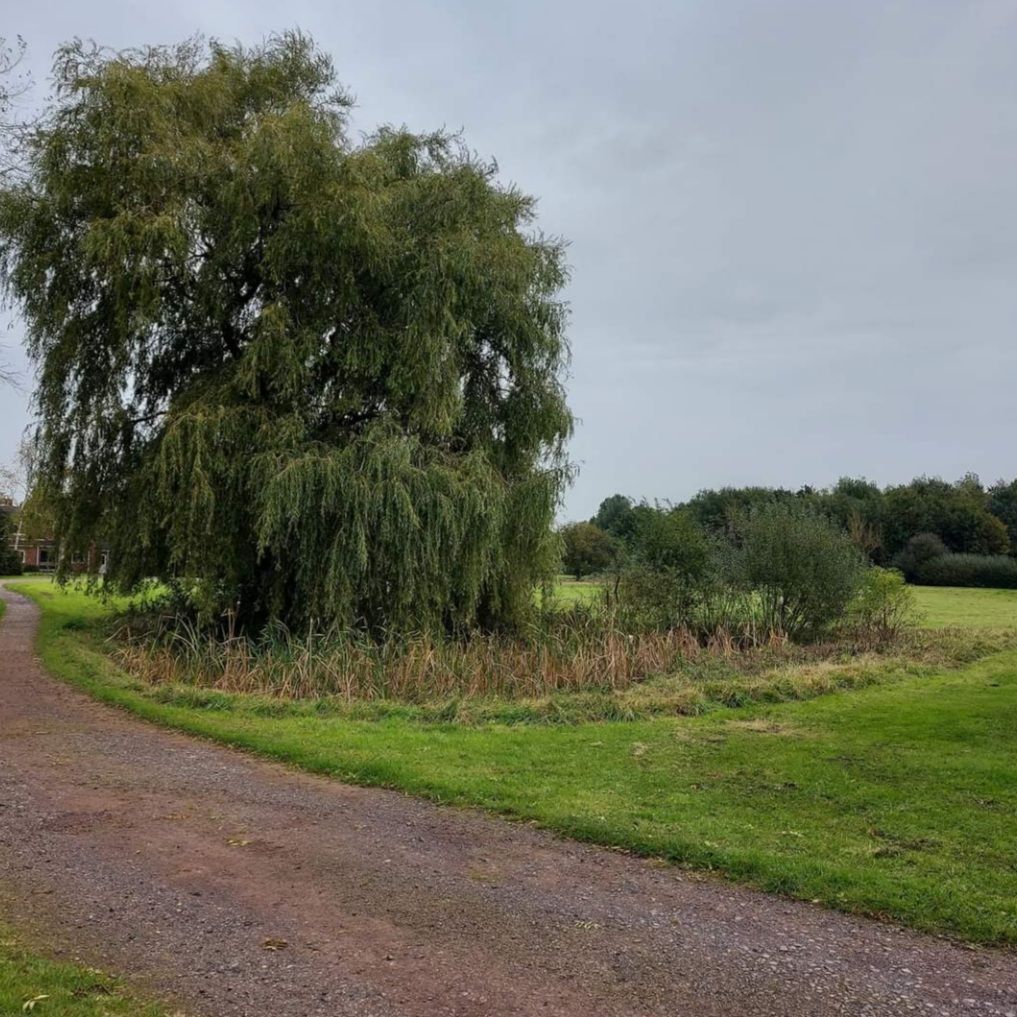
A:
x: 793, y: 224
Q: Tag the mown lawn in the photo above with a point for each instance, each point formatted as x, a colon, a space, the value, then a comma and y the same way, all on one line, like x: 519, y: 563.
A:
x: 30, y: 984
x: 895, y: 800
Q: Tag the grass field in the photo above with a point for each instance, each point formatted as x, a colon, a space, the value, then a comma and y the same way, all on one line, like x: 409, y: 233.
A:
x: 893, y: 800
x: 30, y: 984
x: 943, y: 606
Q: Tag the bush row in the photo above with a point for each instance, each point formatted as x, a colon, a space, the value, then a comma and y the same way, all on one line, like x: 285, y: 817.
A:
x: 994, y: 571
x: 789, y: 573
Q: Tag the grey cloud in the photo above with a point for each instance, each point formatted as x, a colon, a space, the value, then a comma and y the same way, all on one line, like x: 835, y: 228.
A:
x: 793, y: 223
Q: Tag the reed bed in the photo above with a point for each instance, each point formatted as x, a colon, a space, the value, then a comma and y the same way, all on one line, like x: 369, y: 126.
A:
x: 574, y: 652
x: 351, y: 666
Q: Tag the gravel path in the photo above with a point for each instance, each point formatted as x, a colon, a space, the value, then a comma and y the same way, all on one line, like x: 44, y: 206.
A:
x: 240, y: 887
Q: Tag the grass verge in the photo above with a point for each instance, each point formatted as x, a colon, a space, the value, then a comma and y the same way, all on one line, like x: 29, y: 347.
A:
x: 32, y: 984
x: 896, y: 800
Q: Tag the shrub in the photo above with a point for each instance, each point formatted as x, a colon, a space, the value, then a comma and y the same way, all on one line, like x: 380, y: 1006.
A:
x: 883, y: 606
x: 994, y: 571
x: 919, y: 549
x: 804, y: 569
x: 652, y: 599
x: 672, y: 571
x: 10, y: 563
x: 668, y: 540
x: 927, y: 560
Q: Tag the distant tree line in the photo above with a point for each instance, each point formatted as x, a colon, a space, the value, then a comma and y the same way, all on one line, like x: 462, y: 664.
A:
x: 934, y: 531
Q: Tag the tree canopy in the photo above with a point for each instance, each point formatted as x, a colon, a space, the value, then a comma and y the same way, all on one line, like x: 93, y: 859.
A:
x: 320, y: 380
x: 587, y: 549
x: 957, y: 513
x: 617, y: 516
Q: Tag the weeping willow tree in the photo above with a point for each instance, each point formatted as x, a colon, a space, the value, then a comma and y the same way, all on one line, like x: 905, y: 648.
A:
x: 318, y: 380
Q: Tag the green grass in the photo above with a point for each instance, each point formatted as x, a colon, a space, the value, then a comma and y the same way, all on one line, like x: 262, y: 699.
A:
x: 894, y: 800
x: 943, y: 606
x: 569, y: 591
x: 32, y: 984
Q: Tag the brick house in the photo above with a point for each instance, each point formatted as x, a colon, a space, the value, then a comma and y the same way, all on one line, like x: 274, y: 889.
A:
x: 43, y: 553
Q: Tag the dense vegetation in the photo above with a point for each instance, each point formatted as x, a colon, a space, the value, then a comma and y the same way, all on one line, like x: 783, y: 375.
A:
x: 777, y: 570
x: 303, y: 379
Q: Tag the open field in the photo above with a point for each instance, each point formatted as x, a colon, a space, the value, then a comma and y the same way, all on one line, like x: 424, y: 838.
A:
x: 943, y: 606
x: 896, y: 799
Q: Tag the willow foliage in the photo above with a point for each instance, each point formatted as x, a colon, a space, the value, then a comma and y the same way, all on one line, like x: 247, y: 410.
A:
x: 321, y: 380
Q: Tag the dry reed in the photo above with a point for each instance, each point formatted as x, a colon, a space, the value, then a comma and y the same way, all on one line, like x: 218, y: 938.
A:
x: 569, y: 655
x: 353, y: 667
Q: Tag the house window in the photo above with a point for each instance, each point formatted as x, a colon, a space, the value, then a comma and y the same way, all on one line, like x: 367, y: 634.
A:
x: 22, y: 553
x: 103, y: 559
x: 47, y: 556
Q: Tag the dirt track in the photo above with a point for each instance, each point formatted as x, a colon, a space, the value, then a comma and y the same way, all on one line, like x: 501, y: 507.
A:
x: 176, y: 862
